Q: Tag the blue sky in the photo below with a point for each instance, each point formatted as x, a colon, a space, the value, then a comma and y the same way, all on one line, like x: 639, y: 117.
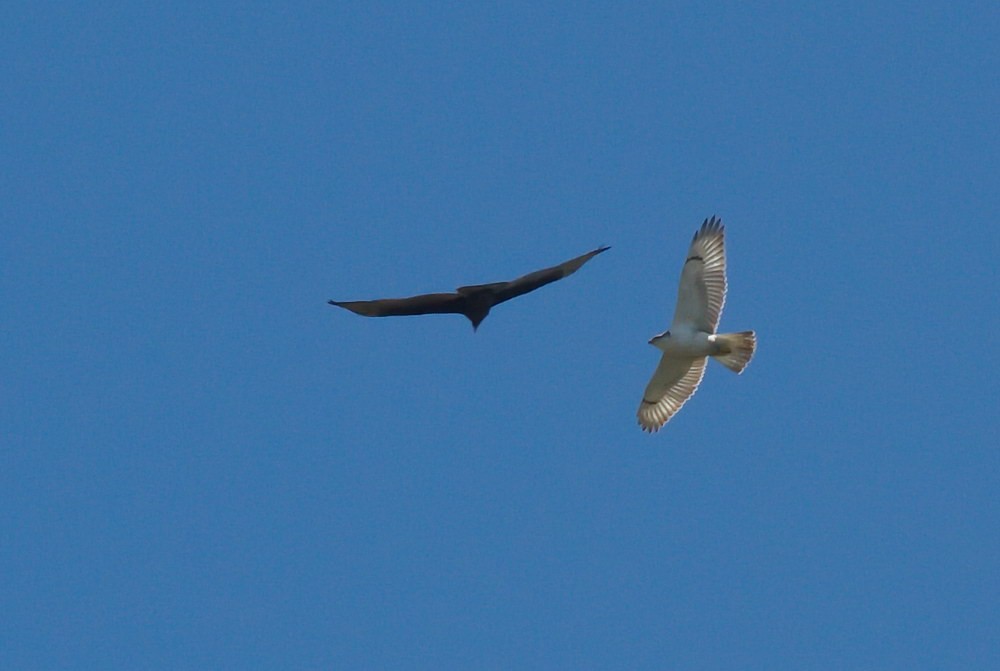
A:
x: 204, y: 466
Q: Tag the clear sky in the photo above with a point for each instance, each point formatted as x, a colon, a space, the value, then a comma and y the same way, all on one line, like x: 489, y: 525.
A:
x: 204, y: 466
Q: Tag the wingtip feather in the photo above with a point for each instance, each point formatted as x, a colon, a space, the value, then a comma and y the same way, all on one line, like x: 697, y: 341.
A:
x: 709, y: 226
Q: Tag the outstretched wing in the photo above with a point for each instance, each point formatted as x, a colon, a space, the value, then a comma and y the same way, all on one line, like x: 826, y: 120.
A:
x: 702, y: 291
x: 540, y: 278
x: 673, y: 383
x: 415, y: 305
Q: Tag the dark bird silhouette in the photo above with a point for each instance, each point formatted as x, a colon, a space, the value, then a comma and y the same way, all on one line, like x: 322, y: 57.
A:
x: 472, y: 301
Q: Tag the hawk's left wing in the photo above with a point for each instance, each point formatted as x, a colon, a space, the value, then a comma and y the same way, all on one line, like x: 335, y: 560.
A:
x: 702, y: 291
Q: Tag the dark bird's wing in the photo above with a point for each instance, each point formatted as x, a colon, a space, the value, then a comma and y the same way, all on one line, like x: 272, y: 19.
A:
x: 504, y: 291
x: 415, y: 305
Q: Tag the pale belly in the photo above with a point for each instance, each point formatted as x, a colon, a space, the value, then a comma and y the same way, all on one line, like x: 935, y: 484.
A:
x: 688, y: 344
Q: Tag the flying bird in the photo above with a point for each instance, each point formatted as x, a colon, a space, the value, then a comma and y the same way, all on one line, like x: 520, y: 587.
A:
x: 692, y: 337
x: 473, y: 301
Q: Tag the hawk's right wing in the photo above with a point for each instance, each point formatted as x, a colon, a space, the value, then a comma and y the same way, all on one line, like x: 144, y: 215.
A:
x: 673, y: 383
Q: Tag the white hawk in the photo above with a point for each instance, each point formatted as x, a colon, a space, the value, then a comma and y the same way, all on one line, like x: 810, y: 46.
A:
x: 692, y: 337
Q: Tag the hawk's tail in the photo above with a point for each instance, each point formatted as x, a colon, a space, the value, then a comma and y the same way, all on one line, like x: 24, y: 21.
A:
x: 736, y: 349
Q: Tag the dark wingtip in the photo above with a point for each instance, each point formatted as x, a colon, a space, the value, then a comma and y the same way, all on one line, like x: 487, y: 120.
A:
x: 333, y: 303
x: 599, y: 250
x: 710, y: 225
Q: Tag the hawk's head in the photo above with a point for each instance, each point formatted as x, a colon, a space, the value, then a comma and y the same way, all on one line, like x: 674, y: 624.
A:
x: 662, y: 336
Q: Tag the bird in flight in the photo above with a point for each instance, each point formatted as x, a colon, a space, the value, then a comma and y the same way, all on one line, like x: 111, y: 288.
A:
x: 472, y: 301
x: 692, y: 337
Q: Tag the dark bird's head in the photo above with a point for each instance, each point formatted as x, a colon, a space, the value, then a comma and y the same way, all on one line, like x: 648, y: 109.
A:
x: 659, y: 337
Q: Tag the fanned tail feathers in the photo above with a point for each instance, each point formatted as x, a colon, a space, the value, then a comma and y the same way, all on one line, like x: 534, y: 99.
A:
x: 737, y: 349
